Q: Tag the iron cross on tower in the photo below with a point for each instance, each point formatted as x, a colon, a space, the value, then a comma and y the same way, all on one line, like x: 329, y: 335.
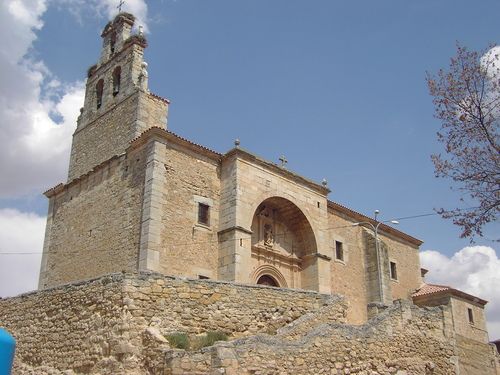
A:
x: 120, y: 6
x: 283, y: 161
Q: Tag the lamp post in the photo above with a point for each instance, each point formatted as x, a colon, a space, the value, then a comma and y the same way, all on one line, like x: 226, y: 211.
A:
x: 377, y: 249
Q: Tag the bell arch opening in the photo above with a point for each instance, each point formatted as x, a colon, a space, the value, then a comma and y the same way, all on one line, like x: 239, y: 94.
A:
x: 283, y: 240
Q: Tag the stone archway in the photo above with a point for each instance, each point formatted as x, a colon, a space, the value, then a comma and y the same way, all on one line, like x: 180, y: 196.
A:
x: 265, y: 272
x: 267, y: 281
x: 283, y: 243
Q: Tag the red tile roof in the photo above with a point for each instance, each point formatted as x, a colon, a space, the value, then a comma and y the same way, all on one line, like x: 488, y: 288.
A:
x: 428, y: 289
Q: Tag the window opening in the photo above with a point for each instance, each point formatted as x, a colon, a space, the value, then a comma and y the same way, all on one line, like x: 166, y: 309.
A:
x: 339, y: 250
x: 394, y: 271
x: 98, y: 91
x: 112, y: 43
x: 471, y: 315
x: 116, y: 80
x: 203, y: 214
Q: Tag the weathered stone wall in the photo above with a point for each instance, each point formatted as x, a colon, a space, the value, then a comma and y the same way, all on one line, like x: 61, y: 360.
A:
x: 403, y: 340
x: 357, y: 276
x: 476, y: 358
x: 188, y: 248
x: 459, y: 308
x: 95, y: 223
x: 109, y: 133
x: 116, y: 324
x: 70, y: 327
x: 176, y: 305
x: 348, y: 277
x: 477, y: 329
x: 407, y: 261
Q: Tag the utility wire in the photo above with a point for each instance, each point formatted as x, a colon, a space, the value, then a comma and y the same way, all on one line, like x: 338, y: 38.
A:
x: 247, y: 238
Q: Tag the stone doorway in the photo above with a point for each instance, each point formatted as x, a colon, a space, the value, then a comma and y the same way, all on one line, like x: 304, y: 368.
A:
x: 283, y: 245
x: 267, y: 281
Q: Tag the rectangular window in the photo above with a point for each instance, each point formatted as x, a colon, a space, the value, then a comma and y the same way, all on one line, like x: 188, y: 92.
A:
x: 394, y: 271
x: 471, y: 316
x: 204, y: 214
x: 339, y: 251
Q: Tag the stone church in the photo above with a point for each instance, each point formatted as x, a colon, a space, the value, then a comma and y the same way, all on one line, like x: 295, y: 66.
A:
x: 142, y: 200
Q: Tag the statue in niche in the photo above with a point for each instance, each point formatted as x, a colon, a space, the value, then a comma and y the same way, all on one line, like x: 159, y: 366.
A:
x: 268, y: 235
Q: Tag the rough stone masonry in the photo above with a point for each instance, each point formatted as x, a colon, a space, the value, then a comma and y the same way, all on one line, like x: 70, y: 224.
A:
x: 118, y: 324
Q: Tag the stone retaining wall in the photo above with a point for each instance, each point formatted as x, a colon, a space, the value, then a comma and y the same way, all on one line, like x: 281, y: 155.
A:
x: 116, y: 324
x: 403, y: 340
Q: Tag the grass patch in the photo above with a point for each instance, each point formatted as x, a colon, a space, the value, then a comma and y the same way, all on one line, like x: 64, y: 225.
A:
x: 211, y: 337
x: 183, y: 341
x: 178, y: 340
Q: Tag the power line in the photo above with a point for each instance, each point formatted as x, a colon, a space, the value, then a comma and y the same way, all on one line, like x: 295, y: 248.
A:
x: 247, y: 238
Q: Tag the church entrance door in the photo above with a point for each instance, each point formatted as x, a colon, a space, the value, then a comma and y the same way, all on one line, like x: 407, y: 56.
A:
x: 267, y: 280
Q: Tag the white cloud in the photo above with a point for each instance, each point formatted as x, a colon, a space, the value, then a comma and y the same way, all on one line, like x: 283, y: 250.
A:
x: 474, y: 270
x: 137, y: 7
x: 35, y: 148
x: 107, y: 8
x: 21, y: 235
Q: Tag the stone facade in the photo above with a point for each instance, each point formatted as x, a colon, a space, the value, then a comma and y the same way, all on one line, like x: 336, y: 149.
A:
x: 264, y: 223
x: 94, y: 222
x: 467, y: 311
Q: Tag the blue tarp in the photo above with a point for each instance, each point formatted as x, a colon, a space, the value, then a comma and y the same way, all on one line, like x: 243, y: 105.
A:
x: 7, y: 349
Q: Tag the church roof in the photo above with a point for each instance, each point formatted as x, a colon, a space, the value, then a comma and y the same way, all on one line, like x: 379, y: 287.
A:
x: 363, y: 218
x: 434, y: 289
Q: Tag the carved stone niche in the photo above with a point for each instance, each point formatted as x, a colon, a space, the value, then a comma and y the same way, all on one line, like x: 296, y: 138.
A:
x: 282, y: 240
x: 273, y: 239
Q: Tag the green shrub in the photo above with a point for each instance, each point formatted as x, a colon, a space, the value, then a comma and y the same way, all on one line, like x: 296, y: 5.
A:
x: 178, y: 340
x: 209, y: 338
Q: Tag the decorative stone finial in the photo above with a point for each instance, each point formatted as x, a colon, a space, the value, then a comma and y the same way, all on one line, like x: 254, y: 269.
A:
x: 324, y: 182
x: 237, y: 143
x: 141, y: 30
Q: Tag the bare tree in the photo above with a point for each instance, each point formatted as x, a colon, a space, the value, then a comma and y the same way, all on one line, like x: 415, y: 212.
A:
x: 467, y: 101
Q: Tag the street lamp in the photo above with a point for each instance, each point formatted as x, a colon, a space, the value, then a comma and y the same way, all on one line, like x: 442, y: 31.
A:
x: 377, y: 250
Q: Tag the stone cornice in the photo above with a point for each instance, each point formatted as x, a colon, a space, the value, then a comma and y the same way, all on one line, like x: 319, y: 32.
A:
x: 357, y: 217
x: 248, y: 156
x: 237, y: 227
x: 162, y: 134
x: 61, y: 187
x: 165, y: 100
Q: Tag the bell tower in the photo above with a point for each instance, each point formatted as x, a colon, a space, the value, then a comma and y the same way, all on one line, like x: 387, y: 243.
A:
x: 118, y: 106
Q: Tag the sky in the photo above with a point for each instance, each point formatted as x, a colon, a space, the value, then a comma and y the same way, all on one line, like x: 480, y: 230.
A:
x: 338, y: 87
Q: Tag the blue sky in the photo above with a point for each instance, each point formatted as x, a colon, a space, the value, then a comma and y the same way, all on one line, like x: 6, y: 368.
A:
x: 336, y: 86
